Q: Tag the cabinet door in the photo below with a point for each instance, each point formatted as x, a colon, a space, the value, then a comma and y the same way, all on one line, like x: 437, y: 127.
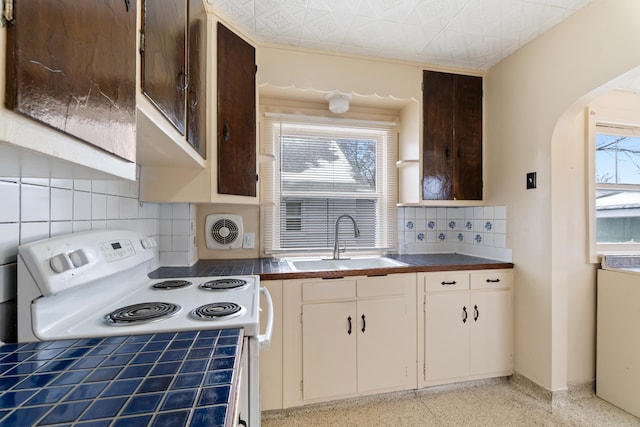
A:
x: 452, y: 139
x: 196, y: 70
x: 468, y: 137
x: 438, y: 113
x: 382, y: 343
x: 72, y: 65
x: 236, y: 115
x: 446, y: 344
x: 328, y: 349
x: 164, y: 77
x: 491, y: 329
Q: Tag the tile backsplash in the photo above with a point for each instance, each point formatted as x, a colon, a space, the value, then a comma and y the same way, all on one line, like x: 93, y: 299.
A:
x: 479, y: 231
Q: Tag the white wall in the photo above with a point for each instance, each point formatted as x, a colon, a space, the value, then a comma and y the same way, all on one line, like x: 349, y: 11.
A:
x: 527, y: 94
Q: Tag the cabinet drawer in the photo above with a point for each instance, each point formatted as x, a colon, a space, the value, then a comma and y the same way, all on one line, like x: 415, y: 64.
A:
x: 328, y: 290
x: 446, y: 281
x: 393, y: 285
x: 496, y: 279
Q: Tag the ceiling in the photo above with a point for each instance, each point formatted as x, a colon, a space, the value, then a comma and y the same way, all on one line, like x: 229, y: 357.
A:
x: 468, y: 34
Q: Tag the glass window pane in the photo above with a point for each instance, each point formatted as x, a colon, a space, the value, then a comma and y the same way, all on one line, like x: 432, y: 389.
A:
x: 617, y: 216
x: 617, y: 159
x: 326, y: 165
x: 316, y: 226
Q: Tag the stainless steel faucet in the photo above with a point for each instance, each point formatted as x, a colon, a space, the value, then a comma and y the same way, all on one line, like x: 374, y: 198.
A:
x: 336, y: 243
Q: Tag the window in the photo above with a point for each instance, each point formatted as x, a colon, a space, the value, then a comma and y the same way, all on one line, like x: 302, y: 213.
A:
x: 615, y: 199
x: 318, y: 170
x: 617, y: 185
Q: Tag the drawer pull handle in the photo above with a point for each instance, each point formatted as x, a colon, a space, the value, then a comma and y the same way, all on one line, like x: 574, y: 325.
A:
x: 464, y: 314
x: 349, y: 320
x: 448, y: 283
x: 493, y: 280
x: 476, y: 313
x: 364, y: 323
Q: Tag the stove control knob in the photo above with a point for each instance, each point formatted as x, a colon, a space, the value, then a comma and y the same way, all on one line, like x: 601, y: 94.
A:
x: 148, y: 243
x: 79, y: 258
x: 60, y: 263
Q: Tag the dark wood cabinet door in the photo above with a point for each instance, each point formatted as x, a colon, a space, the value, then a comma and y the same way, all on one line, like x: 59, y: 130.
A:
x: 164, y: 71
x: 468, y: 137
x: 236, y: 115
x: 196, y: 64
x: 452, y: 140
x: 72, y: 65
x: 438, y: 144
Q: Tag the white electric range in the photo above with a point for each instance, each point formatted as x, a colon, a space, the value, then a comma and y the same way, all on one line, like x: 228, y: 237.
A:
x: 95, y: 284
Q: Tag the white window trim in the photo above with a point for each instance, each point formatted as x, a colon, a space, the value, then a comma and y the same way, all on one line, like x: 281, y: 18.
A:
x: 388, y: 172
x: 598, y: 119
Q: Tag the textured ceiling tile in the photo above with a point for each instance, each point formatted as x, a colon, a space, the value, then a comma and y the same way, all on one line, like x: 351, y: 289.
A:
x: 325, y: 26
x: 391, y: 10
x: 349, y: 7
x: 439, y: 13
x: 281, y: 20
x: 462, y: 33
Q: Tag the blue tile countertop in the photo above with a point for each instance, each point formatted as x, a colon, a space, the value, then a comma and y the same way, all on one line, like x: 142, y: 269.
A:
x: 168, y: 379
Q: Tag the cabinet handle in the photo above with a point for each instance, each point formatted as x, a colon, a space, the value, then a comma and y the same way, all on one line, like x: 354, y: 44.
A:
x: 181, y: 81
x: 476, y: 313
x: 448, y: 283
x: 193, y: 99
x: 349, y: 320
x: 127, y: 4
x: 493, y: 280
x: 447, y: 154
x: 464, y: 314
x: 226, y: 133
x: 364, y: 323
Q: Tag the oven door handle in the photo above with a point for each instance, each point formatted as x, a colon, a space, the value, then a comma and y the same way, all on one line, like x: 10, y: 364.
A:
x: 265, y: 340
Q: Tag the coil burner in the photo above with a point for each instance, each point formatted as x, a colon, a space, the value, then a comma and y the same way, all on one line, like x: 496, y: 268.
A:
x: 172, y: 284
x: 224, y: 284
x: 218, y: 311
x: 141, y: 313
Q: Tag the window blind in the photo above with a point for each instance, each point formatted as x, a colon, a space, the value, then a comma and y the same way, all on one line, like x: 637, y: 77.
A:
x: 314, y: 170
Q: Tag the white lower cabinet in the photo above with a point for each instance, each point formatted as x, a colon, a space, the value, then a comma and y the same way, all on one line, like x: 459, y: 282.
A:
x: 467, y: 319
x: 348, y: 337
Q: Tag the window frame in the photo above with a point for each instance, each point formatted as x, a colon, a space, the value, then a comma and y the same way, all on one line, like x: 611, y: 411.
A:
x: 610, y: 121
x: 382, y: 130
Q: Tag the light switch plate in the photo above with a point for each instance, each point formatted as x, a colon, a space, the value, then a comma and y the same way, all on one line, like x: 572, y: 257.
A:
x: 531, y: 180
x: 249, y: 240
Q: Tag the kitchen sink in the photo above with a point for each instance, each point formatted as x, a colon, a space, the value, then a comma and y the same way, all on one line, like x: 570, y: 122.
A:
x: 357, y: 263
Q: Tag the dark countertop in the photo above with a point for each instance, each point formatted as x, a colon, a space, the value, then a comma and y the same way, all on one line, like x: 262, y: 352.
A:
x: 277, y: 269
x: 167, y: 379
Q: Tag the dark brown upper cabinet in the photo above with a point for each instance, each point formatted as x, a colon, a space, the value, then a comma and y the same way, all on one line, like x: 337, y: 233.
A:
x: 236, y: 115
x: 72, y: 66
x: 452, y: 139
x: 173, y: 64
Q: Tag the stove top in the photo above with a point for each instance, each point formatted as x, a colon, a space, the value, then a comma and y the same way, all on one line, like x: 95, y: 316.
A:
x: 143, y: 308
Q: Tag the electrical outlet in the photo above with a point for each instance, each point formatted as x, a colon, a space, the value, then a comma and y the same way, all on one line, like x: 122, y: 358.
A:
x: 249, y: 240
x: 531, y: 180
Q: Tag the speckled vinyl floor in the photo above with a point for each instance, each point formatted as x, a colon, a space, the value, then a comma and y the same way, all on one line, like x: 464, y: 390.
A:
x: 496, y: 404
